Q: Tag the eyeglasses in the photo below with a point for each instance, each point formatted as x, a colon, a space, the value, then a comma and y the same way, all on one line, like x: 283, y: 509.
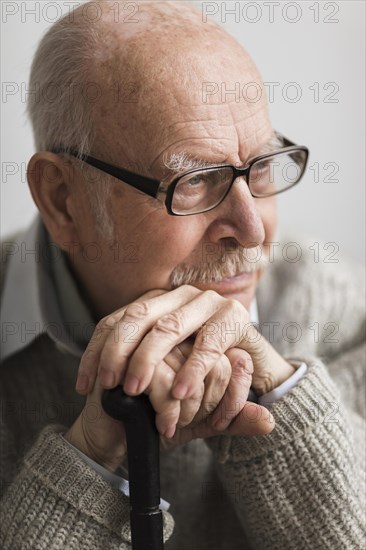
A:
x: 199, y: 190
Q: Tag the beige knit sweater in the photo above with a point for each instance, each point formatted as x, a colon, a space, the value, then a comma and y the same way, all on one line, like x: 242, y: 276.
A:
x: 301, y: 487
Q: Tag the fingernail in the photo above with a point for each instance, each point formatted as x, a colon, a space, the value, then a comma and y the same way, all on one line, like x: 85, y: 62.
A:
x: 131, y: 384
x: 169, y: 432
x: 107, y: 378
x: 82, y: 382
x: 180, y: 390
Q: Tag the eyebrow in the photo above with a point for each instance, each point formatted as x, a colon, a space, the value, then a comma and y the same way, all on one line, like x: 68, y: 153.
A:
x: 181, y: 161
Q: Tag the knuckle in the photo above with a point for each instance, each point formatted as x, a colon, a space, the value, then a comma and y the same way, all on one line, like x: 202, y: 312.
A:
x: 171, y: 324
x: 189, y: 289
x: 211, y: 295
x: 244, y: 364
x: 265, y: 383
x: 199, y: 366
x: 209, y: 343
x: 242, y: 376
x: 104, y: 323
x: 236, y: 307
x: 137, y: 311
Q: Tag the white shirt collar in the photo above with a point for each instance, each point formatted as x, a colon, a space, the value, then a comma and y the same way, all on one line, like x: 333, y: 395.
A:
x: 31, y: 305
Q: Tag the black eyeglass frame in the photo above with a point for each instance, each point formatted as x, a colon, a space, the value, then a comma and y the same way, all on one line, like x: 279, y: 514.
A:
x: 164, y: 190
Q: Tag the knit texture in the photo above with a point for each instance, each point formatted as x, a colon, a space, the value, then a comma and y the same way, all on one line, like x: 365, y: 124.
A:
x: 300, y: 487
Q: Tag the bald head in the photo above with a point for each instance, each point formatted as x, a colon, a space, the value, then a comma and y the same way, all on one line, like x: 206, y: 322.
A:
x: 167, y: 59
x: 155, y: 73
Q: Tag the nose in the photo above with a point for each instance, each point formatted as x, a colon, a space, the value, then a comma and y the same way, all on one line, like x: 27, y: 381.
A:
x: 238, y: 217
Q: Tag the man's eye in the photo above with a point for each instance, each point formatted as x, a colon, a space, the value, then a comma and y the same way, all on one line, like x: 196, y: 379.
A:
x: 195, y: 181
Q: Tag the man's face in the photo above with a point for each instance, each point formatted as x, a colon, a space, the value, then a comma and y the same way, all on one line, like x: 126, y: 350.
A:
x: 149, y: 245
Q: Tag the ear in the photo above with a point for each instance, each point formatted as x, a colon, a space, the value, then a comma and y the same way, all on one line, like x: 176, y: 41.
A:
x: 53, y: 184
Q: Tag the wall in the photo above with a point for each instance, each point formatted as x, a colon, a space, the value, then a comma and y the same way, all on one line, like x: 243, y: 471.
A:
x: 311, y: 57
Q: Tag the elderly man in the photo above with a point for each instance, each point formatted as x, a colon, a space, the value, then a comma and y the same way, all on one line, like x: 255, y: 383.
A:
x: 153, y: 265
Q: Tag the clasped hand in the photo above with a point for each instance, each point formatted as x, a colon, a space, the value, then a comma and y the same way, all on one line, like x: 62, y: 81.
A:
x: 182, y: 348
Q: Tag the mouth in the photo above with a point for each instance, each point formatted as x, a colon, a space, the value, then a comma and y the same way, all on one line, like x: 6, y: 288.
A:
x: 231, y: 285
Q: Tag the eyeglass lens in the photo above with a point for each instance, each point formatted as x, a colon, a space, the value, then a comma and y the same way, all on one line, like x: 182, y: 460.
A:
x: 204, y: 189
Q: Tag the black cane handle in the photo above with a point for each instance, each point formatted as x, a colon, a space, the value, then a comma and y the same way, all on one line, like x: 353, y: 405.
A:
x: 138, y: 417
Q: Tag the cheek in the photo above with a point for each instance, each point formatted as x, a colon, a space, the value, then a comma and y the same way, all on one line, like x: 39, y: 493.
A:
x: 174, y: 241
x: 160, y: 242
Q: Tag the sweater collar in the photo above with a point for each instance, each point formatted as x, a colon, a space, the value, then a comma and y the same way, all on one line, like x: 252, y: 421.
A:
x: 40, y: 296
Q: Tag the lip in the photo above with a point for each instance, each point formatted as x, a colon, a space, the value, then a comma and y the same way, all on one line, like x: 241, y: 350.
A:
x: 231, y: 285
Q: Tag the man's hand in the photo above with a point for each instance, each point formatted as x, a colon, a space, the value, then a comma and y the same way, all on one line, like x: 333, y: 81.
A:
x: 223, y: 409
x: 166, y: 342
x: 129, y: 344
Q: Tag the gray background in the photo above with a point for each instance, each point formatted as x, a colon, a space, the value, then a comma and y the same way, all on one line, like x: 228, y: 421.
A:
x: 310, y: 54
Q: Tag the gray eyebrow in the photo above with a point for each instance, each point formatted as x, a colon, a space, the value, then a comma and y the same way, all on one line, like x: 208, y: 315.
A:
x: 181, y: 161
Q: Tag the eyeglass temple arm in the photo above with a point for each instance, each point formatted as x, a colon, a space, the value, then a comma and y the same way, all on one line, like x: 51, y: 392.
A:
x: 286, y: 142
x: 146, y: 185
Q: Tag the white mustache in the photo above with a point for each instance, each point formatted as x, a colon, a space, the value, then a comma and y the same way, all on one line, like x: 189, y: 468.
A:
x: 229, y: 265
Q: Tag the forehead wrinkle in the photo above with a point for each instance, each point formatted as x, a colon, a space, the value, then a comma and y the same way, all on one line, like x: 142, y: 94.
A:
x: 211, y: 125
x: 173, y: 130
x: 179, y: 161
x: 183, y: 159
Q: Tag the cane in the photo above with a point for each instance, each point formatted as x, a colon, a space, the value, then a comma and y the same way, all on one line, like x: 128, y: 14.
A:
x: 138, y: 417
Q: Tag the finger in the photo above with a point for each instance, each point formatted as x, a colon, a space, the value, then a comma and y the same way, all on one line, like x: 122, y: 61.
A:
x: 88, y: 367
x: 90, y: 360
x: 178, y: 356
x: 197, y: 406
x: 167, y: 332
x: 215, y: 385
x: 221, y: 332
x: 170, y: 416
x: 167, y: 408
x: 238, y: 388
x: 193, y: 410
x: 138, y: 318
x: 182, y: 414
x: 253, y: 419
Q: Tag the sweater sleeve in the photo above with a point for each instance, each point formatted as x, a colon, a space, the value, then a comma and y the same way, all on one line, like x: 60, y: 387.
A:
x: 303, y: 485
x: 58, y: 501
